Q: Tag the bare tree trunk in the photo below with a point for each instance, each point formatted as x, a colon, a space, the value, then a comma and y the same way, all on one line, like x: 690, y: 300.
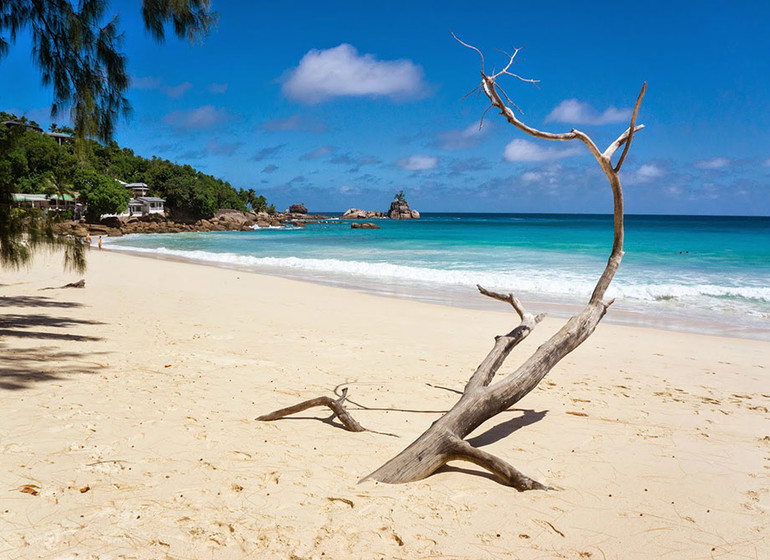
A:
x: 444, y: 440
x: 481, y: 400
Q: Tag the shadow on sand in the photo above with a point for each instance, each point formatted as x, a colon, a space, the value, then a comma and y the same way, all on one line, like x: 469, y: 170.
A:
x: 30, y: 362
x: 19, y: 326
x: 496, y: 433
x: 36, y: 301
x: 23, y: 368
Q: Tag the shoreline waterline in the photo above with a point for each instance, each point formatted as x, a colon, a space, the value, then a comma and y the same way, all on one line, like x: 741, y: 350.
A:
x: 620, y: 313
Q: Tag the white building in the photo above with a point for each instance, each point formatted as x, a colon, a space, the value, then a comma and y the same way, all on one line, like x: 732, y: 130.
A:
x: 140, y: 204
x: 137, y: 189
x: 144, y: 205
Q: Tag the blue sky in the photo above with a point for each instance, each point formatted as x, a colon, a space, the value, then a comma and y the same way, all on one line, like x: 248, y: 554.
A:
x: 341, y: 104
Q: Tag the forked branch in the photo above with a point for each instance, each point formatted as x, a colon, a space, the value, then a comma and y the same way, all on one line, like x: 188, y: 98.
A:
x: 482, y: 399
x: 336, y: 406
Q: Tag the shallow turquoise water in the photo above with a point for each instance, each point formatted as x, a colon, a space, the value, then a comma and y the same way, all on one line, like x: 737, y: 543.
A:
x: 687, y: 271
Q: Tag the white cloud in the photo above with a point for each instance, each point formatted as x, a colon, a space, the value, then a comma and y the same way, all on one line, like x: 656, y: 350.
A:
x: 418, y: 163
x: 713, y: 163
x: 218, y: 88
x: 214, y: 147
x: 649, y: 171
x: 574, y: 112
x: 461, y: 138
x: 532, y: 176
x: 341, y: 71
x: 524, y: 150
x: 175, y: 92
x: 153, y: 82
x: 294, y: 122
x: 348, y: 189
x: 147, y: 82
x: 646, y: 173
x: 548, y: 178
x: 268, y: 152
x: 202, y: 117
x: 318, y: 153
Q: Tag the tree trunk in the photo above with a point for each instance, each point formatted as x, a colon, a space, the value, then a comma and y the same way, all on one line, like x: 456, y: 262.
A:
x: 481, y: 400
x: 444, y: 440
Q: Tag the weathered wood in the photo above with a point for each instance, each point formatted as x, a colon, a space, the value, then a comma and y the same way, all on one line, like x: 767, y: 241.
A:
x: 336, y: 406
x: 79, y: 284
x: 481, y: 400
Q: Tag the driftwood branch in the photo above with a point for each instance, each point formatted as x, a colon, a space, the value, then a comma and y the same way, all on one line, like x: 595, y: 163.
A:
x: 79, y: 284
x: 464, y: 451
x: 631, y: 128
x: 482, y: 399
x: 336, y: 406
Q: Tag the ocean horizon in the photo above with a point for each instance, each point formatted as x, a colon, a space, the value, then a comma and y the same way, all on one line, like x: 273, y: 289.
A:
x: 708, y: 274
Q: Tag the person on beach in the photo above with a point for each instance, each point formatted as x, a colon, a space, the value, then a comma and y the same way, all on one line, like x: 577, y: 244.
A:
x: 100, y: 242
x: 88, y: 239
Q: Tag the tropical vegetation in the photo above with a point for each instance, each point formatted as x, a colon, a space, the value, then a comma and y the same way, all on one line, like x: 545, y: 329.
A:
x: 76, y: 45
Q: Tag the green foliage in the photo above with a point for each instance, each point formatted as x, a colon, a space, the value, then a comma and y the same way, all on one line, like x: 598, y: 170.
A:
x: 36, y: 163
x: 76, y: 45
x: 101, y: 194
x: 400, y: 196
x: 77, y: 48
x: 254, y: 202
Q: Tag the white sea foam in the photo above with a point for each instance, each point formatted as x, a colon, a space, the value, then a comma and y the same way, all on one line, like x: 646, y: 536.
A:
x: 560, y: 284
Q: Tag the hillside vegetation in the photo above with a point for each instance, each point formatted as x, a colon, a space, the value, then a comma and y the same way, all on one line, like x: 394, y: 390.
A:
x: 35, y: 163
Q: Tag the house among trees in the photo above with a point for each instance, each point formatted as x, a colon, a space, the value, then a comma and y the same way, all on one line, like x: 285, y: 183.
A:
x: 141, y: 204
x: 45, y: 202
x: 59, y: 137
x: 144, y: 205
x: 137, y: 189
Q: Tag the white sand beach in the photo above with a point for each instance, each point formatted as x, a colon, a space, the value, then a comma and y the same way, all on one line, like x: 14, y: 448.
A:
x: 129, y: 427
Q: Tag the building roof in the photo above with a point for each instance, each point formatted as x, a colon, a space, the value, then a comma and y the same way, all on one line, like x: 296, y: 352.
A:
x: 150, y: 199
x: 25, y: 125
x: 133, y: 185
x: 27, y: 197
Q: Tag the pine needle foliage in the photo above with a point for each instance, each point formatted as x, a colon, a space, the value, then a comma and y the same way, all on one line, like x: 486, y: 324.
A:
x: 77, y: 48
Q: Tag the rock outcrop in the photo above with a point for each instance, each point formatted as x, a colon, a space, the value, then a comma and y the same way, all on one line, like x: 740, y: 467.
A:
x: 223, y: 220
x: 364, y: 225
x: 358, y: 214
x: 297, y: 209
x: 399, y: 210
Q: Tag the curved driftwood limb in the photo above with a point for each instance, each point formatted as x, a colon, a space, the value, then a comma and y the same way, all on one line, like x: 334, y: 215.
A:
x: 481, y: 400
x: 464, y: 451
x: 631, y: 128
x: 336, y: 406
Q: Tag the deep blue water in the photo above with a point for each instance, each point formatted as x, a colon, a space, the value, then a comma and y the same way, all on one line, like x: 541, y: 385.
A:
x: 687, y: 271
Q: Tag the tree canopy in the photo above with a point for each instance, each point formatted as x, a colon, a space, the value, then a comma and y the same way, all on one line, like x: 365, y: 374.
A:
x: 76, y: 46
x: 37, y: 163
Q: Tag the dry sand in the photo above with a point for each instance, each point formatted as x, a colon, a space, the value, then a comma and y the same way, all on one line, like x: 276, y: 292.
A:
x: 128, y: 416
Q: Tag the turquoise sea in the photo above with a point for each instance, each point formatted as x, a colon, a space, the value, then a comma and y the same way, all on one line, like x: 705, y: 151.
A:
x: 694, y: 273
